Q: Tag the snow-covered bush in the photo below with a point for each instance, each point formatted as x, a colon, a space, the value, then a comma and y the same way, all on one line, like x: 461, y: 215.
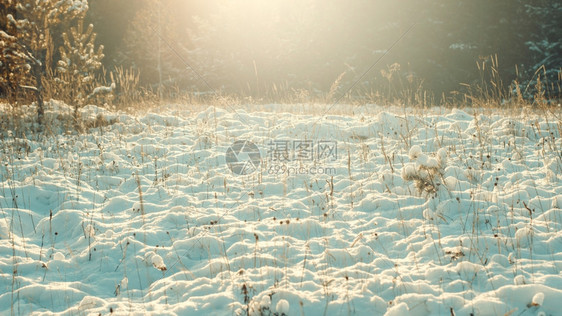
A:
x: 426, y: 171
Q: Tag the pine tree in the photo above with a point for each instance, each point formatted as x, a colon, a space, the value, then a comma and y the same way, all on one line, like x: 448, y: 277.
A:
x: 79, y: 60
x: 545, y: 44
x: 13, y: 67
x: 14, y: 70
x: 31, y: 30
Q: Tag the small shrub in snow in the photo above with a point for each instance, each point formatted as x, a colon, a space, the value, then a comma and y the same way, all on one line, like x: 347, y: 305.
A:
x: 426, y: 171
x: 265, y: 301
x: 537, y: 300
x: 415, y: 152
x: 158, y: 262
x: 519, y: 280
x: 282, y: 307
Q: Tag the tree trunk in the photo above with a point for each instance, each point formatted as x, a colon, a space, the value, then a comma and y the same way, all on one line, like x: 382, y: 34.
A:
x: 38, y: 73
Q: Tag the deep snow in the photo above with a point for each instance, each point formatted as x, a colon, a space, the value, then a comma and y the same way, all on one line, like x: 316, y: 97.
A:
x: 419, y: 213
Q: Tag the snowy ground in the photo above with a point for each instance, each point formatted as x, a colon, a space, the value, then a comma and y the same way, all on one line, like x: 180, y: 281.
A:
x: 145, y: 215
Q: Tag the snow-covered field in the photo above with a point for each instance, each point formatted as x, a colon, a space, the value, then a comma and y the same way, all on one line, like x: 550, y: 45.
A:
x: 380, y: 210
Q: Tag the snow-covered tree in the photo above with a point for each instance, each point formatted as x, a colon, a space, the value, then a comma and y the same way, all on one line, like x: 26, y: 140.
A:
x: 14, y: 68
x: 31, y: 28
x: 545, y: 45
x: 79, y: 60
